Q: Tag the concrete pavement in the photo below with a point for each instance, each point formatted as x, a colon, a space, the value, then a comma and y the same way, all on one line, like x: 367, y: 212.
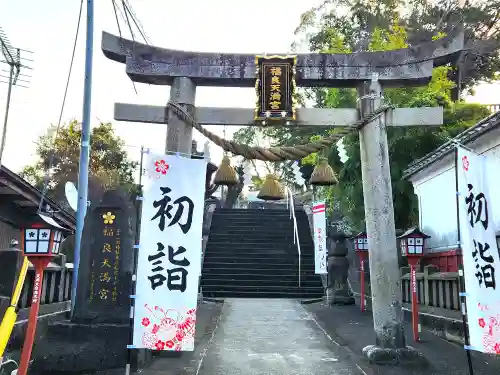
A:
x: 352, y: 329
x: 271, y: 336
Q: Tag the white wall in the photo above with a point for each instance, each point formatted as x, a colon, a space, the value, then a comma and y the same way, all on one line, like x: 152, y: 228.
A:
x: 435, y: 188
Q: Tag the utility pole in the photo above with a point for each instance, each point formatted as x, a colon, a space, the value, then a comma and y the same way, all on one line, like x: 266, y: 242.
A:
x: 11, y: 57
x: 83, y: 171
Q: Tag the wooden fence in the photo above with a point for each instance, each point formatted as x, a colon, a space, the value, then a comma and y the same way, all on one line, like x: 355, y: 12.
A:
x: 56, y: 287
x: 434, y: 288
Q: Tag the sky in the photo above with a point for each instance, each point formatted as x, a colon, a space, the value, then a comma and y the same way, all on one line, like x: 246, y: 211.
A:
x: 48, y: 27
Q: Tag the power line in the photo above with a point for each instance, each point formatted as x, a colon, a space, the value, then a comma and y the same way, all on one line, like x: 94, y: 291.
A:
x: 128, y: 21
x: 19, y: 80
x: 117, y: 9
x: 20, y: 74
x: 51, y: 160
x: 116, y: 17
x: 135, y: 19
x: 15, y: 61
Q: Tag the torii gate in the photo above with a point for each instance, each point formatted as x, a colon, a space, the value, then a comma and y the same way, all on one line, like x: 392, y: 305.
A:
x: 369, y: 72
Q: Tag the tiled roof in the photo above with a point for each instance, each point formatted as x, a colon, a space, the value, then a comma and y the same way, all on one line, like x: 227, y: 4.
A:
x: 14, y: 189
x: 469, y: 135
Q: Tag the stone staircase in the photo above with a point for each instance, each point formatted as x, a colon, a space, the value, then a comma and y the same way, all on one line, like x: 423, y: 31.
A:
x: 250, y: 253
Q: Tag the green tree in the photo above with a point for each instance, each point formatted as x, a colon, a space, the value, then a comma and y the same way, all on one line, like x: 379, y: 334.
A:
x: 109, y: 164
x: 355, y: 21
x: 405, y: 145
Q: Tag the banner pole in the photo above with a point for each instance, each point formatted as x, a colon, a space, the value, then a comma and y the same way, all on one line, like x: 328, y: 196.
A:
x: 362, y: 279
x: 138, y: 210
x: 461, y: 280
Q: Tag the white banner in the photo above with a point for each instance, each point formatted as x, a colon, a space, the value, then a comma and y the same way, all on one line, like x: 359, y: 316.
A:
x: 480, y: 252
x: 319, y: 223
x: 169, y: 261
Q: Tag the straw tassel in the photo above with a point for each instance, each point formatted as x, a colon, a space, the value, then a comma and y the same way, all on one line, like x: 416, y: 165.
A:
x: 226, y: 174
x: 323, y: 175
x: 271, y: 189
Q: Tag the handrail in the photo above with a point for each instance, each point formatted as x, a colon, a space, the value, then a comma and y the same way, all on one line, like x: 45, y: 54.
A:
x: 296, y: 240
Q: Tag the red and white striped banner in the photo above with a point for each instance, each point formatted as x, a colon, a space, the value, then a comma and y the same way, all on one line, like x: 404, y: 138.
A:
x: 319, y: 207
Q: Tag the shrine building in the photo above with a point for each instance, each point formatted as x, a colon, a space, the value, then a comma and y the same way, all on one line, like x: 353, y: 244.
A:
x: 433, y: 179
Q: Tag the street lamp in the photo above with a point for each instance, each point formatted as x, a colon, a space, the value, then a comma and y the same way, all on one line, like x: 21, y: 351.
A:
x: 361, y: 247
x: 412, y: 243
x: 40, y: 243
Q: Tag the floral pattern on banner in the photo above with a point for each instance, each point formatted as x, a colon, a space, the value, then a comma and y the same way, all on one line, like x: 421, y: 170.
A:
x: 161, y: 166
x: 490, y: 326
x: 168, y: 329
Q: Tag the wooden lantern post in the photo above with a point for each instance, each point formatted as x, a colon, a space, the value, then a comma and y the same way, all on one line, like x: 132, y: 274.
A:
x: 361, y: 247
x: 412, y: 247
x: 40, y: 243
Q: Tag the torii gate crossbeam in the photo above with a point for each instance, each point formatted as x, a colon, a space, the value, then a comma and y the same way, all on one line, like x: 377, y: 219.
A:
x: 369, y: 72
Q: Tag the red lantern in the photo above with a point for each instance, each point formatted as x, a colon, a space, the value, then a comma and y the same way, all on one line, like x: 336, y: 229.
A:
x: 412, y: 244
x: 361, y: 242
x: 40, y: 243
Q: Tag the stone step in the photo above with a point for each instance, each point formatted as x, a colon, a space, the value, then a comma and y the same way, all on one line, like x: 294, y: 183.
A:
x: 294, y: 277
x: 252, y: 211
x: 257, y: 270
x: 264, y: 292
x: 277, y: 283
x: 283, y: 264
x: 252, y: 253
x: 264, y: 249
x: 251, y: 227
x: 267, y: 294
x: 252, y: 238
x: 259, y: 257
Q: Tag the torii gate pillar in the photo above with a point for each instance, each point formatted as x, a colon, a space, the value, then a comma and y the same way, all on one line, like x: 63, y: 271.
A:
x: 399, y: 68
x: 179, y: 134
x: 379, y: 216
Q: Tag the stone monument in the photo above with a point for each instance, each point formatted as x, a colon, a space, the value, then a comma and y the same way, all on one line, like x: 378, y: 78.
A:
x: 369, y: 72
x: 97, y: 335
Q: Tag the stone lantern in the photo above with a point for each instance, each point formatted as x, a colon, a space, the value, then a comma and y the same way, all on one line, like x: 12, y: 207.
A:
x: 338, y: 291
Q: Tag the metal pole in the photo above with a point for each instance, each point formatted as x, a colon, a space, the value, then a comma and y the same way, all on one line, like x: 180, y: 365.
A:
x: 83, y: 172
x: 7, y: 106
x: 138, y: 211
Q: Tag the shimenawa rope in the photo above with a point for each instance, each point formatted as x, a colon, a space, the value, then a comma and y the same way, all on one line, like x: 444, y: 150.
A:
x: 280, y: 153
